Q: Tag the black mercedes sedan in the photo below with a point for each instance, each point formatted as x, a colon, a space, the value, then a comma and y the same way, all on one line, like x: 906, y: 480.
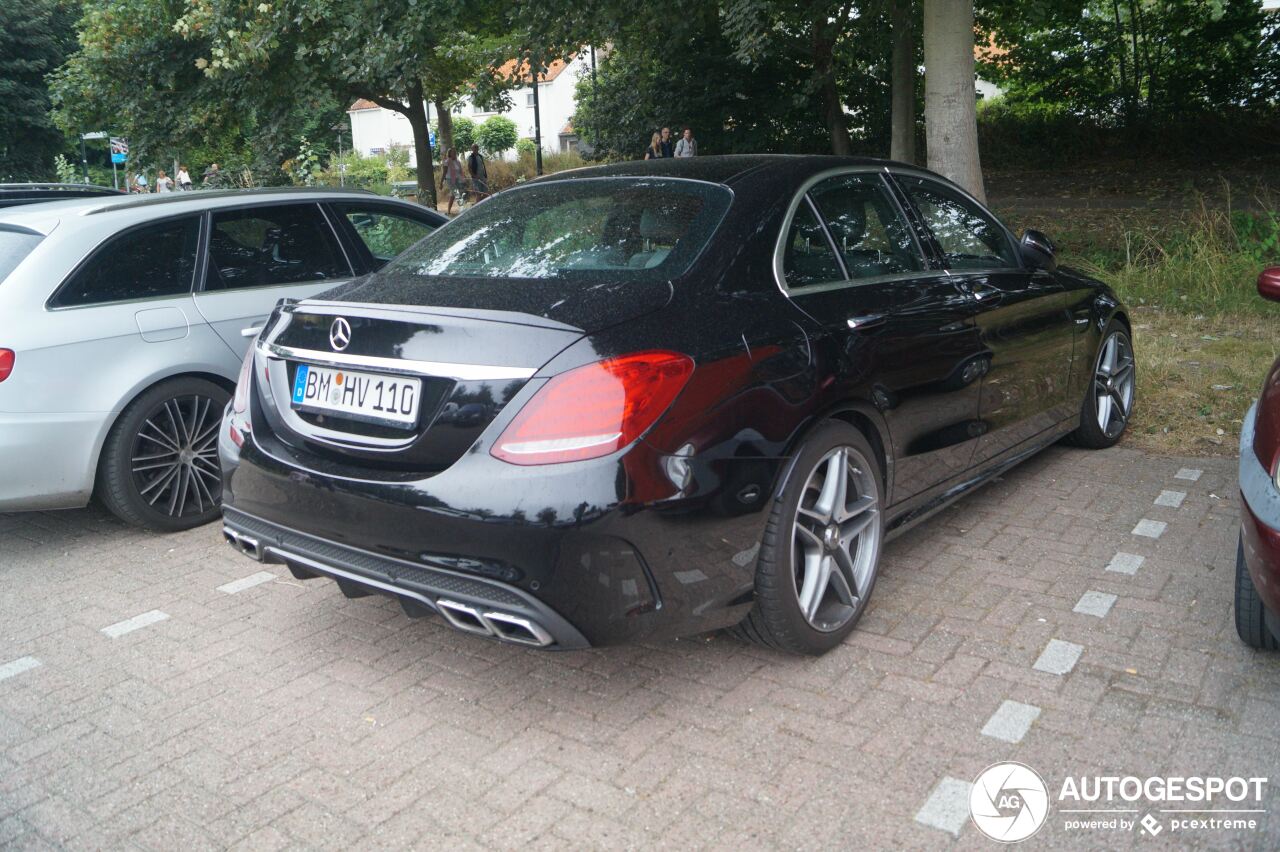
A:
x: 660, y: 398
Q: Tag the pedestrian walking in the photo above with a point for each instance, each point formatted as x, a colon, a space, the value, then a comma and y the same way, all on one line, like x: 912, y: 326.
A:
x: 164, y: 183
x: 654, y: 151
x: 451, y: 175
x: 479, y: 173
x: 668, y: 144
x: 687, y: 146
x: 184, y: 179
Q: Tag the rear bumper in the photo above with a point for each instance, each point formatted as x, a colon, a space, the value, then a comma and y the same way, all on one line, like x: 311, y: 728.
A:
x: 47, y: 460
x: 471, y: 604
x: 1260, y: 523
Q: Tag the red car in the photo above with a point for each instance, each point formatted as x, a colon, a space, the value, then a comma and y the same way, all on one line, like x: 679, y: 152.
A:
x: 1258, y: 556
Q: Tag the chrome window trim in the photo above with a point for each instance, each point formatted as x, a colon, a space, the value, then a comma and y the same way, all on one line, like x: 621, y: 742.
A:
x: 429, y: 369
x: 802, y: 194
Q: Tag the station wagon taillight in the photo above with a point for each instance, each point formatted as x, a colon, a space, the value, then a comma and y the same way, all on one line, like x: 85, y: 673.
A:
x: 6, y: 363
x: 595, y: 409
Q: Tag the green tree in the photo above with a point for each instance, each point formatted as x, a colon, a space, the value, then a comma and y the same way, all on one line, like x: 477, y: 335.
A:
x: 35, y: 36
x: 497, y: 134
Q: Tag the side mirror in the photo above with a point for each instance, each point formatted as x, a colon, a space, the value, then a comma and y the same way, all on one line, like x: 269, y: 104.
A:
x: 1269, y: 284
x: 1037, y: 251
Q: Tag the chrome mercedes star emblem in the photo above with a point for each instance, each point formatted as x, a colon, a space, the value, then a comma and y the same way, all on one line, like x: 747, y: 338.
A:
x: 339, y: 334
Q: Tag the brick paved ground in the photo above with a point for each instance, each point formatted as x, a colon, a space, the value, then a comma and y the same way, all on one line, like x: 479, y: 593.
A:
x: 285, y: 715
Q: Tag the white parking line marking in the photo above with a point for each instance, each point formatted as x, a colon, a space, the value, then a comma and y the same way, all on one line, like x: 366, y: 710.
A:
x: 18, y: 666
x: 247, y: 582
x: 1149, y: 528
x: 1125, y: 563
x: 947, y: 807
x: 1190, y: 474
x: 1011, y: 722
x: 136, y: 623
x: 1058, y: 657
x: 1097, y: 604
x: 1172, y: 499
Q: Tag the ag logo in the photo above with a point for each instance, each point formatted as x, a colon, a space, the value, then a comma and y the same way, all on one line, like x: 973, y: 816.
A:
x: 1008, y: 802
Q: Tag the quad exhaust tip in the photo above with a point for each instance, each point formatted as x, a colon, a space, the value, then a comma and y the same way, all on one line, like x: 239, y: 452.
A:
x: 499, y: 625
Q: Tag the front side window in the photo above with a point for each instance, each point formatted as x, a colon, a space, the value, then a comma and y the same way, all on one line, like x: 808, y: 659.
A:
x: 270, y: 246
x: 611, y: 229
x: 968, y: 236
x: 807, y: 256
x: 384, y: 233
x: 869, y: 233
x: 147, y: 262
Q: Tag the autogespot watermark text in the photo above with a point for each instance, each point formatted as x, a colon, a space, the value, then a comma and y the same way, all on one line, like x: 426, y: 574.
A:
x: 1010, y: 802
x: 1152, y: 805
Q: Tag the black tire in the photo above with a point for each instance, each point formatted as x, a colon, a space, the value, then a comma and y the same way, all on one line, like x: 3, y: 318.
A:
x: 1251, y: 621
x: 178, y: 484
x: 1090, y: 434
x: 777, y: 619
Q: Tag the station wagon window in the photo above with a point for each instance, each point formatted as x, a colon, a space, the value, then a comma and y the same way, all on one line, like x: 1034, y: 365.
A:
x: 968, y: 236
x: 15, y: 245
x: 154, y: 260
x: 270, y: 246
x: 385, y: 233
x: 807, y: 256
x: 869, y: 233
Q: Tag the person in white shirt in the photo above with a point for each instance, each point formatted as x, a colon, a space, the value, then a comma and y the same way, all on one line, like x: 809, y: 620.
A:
x: 164, y: 183
x: 687, y: 146
x: 184, y: 179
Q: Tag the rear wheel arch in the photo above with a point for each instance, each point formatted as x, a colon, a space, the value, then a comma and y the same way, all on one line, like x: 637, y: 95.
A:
x: 862, y: 417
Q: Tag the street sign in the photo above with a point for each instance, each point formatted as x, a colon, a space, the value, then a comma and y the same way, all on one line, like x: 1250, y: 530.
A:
x: 119, y: 149
x: 97, y: 134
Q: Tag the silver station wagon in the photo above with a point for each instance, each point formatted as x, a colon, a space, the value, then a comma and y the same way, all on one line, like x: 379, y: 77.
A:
x: 124, y: 320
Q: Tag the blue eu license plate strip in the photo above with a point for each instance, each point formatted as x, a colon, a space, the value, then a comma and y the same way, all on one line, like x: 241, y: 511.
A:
x: 300, y: 383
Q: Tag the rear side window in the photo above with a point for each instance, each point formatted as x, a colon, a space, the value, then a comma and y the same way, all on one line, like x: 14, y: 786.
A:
x: 871, y: 237
x: 269, y: 246
x: 15, y: 245
x: 807, y: 257
x: 970, y: 238
x: 384, y: 233
x: 147, y: 262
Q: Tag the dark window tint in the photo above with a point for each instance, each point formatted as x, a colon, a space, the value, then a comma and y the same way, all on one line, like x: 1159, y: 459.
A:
x: 266, y: 246
x: 14, y: 248
x: 154, y: 260
x: 807, y: 257
x: 968, y: 236
x: 384, y: 232
x: 871, y: 237
x: 614, y: 229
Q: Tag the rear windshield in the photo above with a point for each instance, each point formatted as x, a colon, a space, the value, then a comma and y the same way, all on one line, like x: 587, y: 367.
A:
x: 626, y: 228
x: 14, y: 247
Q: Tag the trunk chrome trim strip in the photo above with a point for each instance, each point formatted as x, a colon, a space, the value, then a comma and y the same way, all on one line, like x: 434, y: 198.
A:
x: 440, y: 369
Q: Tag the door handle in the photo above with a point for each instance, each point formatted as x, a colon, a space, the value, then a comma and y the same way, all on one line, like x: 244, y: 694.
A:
x: 861, y: 323
x: 252, y: 331
x: 984, y: 294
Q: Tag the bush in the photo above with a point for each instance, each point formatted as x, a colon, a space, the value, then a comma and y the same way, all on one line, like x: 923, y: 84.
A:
x: 497, y: 134
x: 526, y: 147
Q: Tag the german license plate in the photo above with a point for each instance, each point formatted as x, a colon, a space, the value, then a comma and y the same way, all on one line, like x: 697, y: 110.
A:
x: 371, y: 397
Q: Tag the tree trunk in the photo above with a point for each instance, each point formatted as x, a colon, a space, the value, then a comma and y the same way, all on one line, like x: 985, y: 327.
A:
x: 950, y: 102
x: 902, y: 138
x: 417, y: 115
x: 444, y: 128
x: 833, y: 110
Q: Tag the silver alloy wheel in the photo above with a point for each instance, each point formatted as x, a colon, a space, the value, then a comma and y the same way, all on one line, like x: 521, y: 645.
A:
x: 175, y: 457
x: 1113, y: 384
x: 835, y: 539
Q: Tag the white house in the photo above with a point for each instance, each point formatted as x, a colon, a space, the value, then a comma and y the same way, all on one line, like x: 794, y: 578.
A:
x: 374, y: 130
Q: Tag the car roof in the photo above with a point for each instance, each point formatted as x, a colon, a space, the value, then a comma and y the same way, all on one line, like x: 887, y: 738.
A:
x: 726, y: 168
x: 43, y: 216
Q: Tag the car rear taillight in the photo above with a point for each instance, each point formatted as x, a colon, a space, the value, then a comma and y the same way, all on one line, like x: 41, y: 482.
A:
x: 594, y: 410
x: 6, y: 363
x: 240, y: 402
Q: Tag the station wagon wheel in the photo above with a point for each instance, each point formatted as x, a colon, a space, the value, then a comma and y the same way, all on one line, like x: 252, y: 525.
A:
x: 820, y: 554
x: 159, y: 467
x: 1109, y: 399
